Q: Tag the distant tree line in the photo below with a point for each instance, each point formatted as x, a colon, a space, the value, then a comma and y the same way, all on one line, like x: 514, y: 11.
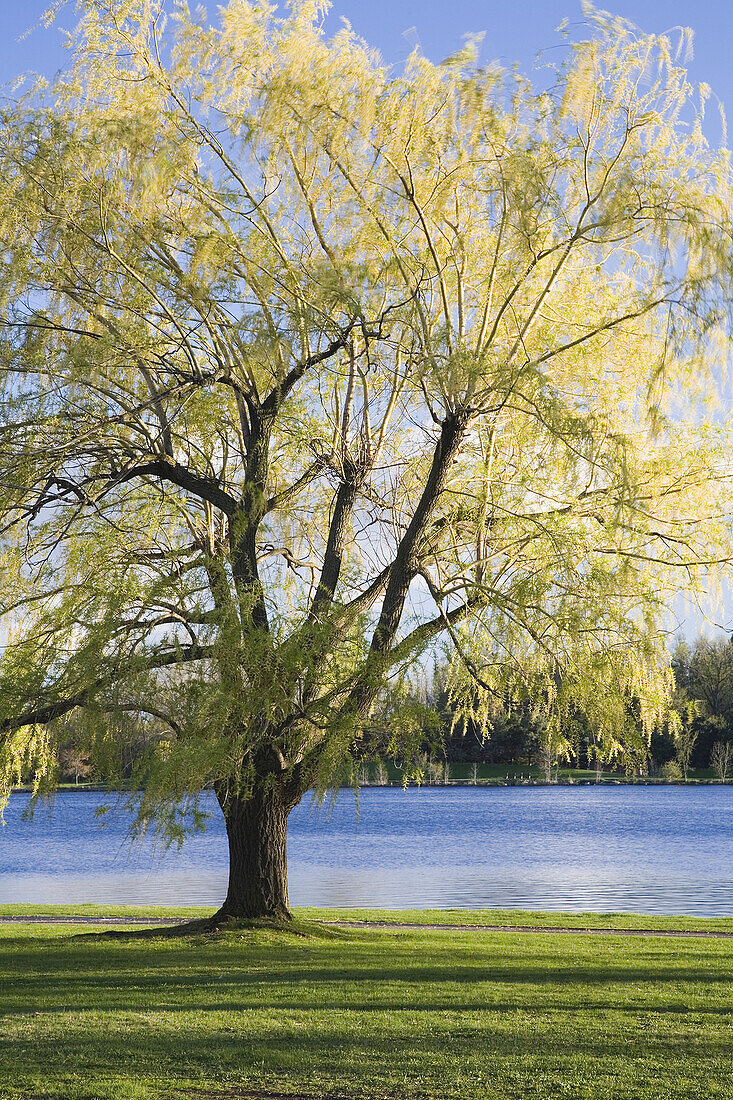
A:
x: 703, y: 706
x: 697, y: 734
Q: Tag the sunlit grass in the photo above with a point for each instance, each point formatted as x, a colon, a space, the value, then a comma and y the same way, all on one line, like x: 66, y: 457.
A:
x: 356, y: 1012
x: 468, y: 917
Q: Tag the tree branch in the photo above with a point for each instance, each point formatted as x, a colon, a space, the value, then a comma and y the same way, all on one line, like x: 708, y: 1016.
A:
x: 41, y: 715
x: 203, y: 487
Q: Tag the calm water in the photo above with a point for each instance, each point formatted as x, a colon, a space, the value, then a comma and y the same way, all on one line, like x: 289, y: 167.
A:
x: 634, y: 849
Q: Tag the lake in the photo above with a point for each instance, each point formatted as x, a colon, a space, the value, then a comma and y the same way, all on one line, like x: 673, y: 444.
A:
x: 598, y: 848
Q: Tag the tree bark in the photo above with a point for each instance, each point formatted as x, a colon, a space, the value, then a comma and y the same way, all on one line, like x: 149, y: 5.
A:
x: 258, y: 873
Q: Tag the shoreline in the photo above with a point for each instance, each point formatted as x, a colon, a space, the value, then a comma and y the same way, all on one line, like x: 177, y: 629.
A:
x: 639, y: 781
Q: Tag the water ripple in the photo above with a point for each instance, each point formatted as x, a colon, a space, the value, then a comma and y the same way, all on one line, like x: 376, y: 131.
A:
x: 622, y: 849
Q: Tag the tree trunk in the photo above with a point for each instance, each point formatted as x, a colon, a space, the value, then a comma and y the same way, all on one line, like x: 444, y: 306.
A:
x: 258, y: 874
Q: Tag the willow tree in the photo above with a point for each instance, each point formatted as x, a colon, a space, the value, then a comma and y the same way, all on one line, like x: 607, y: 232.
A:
x: 307, y: 364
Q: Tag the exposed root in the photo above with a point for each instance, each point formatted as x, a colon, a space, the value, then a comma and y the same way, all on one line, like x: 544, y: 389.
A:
x: 208, y: 926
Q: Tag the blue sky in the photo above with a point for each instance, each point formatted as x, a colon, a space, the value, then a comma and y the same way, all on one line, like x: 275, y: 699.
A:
x: 513, y: 31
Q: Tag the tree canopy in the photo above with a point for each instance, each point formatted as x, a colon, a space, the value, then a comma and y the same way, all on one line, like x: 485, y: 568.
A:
x: 307, y: 363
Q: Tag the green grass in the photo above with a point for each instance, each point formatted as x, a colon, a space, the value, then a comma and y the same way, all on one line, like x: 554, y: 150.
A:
x: 366, y: 1013
x: 465, y: 917
x: 106, y: 911
x: 525, y: 918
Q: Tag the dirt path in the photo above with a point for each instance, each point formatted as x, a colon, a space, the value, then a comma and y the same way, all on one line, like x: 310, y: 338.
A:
x: 393, y: 925
x: 564, y: 929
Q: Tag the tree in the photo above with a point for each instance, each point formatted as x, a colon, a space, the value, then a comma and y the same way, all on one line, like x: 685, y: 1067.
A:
x: 705, y: 676
x: 306, y: 364
x: 720, y: 759
x: 685, y: 734
x: 662, y: 747
x: 710, y: 676
x: 73, y: 762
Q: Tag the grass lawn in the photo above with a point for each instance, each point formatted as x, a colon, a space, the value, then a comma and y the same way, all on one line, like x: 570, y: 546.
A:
x: 367, y: 1013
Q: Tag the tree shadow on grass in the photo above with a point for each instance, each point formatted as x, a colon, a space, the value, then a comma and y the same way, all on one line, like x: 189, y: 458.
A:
x: 90, y: 972
x: 236, y: 1093
x: 297, y: 1008
x: 343, y: 1053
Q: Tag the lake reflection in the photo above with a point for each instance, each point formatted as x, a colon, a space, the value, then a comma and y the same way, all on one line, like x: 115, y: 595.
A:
x: 633, y: 849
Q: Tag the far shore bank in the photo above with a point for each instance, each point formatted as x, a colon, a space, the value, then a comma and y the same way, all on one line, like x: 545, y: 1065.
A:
x: 563, y: 781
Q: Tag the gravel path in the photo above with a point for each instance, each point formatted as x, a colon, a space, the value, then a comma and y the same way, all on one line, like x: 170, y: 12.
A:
x: 564, y: 929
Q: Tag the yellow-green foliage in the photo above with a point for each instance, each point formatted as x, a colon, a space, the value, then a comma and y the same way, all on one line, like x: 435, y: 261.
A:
x: 246, y: 268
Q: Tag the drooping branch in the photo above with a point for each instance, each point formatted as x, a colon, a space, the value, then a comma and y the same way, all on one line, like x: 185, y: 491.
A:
x: 417, y: 639
x: 48, y: 712
x: 277, y: 500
